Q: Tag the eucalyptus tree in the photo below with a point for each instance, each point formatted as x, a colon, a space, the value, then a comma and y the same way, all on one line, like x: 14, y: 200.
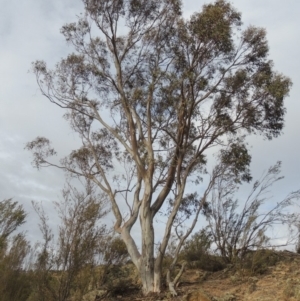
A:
x: 150, y: 93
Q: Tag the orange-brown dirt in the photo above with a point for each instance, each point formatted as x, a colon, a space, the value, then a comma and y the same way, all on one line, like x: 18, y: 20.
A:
x: 280, y: 282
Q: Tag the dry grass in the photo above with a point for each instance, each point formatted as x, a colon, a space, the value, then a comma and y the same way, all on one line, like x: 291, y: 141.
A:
x: 279, y: 282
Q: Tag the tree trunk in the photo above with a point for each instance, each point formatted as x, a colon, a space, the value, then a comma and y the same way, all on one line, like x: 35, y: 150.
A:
x: 147, y: 258
x: 147, y: 277
x: 151, y: 278
x: 148, y: 274
x: 157, y: 278
x: 173, y: 284
x: 151, y: 281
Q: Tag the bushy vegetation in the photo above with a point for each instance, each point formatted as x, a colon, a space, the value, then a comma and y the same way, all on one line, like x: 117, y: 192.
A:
x: 86, y: 257
x: 197, y: 252
x: 15, y: 282
x: 236, y: 231
x: 64, y: 265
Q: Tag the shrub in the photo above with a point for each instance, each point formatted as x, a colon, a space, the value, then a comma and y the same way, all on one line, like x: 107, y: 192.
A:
x: 259, y: 261
x: 197, y: 253
x: 15, y: 279
x: 236, y: 232
x: 64, y: 266
x: 120, y: 279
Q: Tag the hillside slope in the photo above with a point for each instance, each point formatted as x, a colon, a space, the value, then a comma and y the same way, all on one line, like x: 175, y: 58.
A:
x: 269, y: 281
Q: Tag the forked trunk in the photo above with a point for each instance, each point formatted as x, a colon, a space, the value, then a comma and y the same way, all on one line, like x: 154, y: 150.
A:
x: 147, y: 278
x: 151, y: 279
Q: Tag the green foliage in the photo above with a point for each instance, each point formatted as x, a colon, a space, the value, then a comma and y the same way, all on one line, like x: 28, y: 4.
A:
x: 114, y: 250
x: 259, y: 261
x: 196, y: 252
x: 150, y: 100
x: 114, y: 273
x: 237, y: 158
x: 64, y: 266
x: 12, y: 216
x: 197, y: 246
x: 120, y: 279
x: 215, y: 24
x: 15, y: 278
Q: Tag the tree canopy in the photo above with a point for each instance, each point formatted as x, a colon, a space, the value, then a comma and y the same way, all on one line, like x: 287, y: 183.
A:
x: 150, y: 93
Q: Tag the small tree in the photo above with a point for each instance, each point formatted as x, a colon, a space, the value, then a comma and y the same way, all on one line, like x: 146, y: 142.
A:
x: 197, y: 246
x: 234, y: 231
x: 149, y: 93
x: 12, y: 215
x: 114, y: 251
x: 15, y: 283
x: 113, y: 255
x: 65, y: 266
x: 15, y: 277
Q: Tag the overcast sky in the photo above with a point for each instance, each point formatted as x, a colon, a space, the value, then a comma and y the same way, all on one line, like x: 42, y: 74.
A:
x: 30, y: 30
